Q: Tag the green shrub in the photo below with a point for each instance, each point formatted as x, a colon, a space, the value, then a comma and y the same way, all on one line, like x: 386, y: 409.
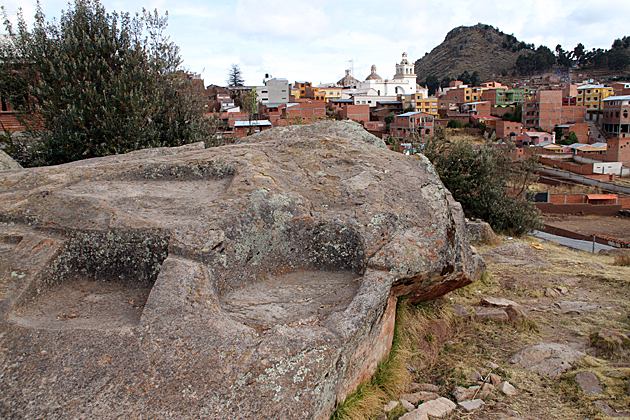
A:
x: 486, y: 182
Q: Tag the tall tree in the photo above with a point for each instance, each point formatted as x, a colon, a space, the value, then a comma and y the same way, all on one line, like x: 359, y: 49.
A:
x: 485, y: 181
x: 432, y: 83
x: 235, y: 78
x: 93, y: 84
x: 563, y: 58
x: 579, y: 54
x: 618, y: 59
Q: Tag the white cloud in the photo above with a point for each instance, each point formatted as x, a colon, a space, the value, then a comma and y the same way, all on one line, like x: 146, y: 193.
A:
x: 297, y: 19
x: 308, y: 40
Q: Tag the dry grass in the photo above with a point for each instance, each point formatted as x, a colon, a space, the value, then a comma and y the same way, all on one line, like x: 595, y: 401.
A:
x: 565, y: 189
x: 469, y: 347
x: 393, y: 375
x: 622, y: 260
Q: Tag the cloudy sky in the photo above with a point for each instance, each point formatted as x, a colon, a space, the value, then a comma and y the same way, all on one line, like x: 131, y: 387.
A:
x: 316, y: 40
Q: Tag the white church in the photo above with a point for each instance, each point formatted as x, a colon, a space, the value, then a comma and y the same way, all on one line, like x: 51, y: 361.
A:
x: 403, y: 83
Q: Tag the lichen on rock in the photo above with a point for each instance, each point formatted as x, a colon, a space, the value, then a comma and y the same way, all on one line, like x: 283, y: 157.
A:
x: 218, y: 282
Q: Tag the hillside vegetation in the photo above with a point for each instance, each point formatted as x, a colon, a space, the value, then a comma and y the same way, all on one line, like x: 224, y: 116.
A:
x: 480, y: 48
x: 485, y: 53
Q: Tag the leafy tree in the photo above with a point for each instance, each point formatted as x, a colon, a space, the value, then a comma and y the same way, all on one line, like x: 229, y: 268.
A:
x: 454, y: 124
x: 579, y: 54
x: 93, y: 84
x: 617, y: 59
x: 464, y: 77
x: 409, y: 109
x: 445, y: 82
x: 474, y: 78
x: 486, y: 182
x: 515, y: 116
x: 597, y: 58
x: 563, y: 58
x: 249, y: 103
x: 570, y: 139
x: 432, y: 83
x: 389, y: 118
x: 235, y: 77
x: 541, y: 60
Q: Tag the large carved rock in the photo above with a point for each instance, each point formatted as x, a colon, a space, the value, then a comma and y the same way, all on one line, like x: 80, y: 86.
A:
x: 247, y: 281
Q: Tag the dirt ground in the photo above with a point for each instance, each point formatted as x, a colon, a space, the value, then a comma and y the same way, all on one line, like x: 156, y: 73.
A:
x: 617, y: 227
x: 594, y: 281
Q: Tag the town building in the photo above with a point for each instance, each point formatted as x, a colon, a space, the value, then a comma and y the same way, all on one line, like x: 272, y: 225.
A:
x: 592, y: 96
x: 546, y: 111
x: 274, y: 90
x: 331, y: 92
x: 410, y: 124
x: 616, y: 116
x: 358, y: 113
x: 348, y: 81
x: 621, y: 88
x: 403, y: 82
x: 476, y: 108
x: 428, y: 105
x: 618, y: 150
x: 508, y: 129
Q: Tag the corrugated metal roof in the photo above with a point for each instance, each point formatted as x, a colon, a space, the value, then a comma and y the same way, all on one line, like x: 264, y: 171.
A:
x: 602, y: 196
x: 254, y: 123
x: 617, y: 98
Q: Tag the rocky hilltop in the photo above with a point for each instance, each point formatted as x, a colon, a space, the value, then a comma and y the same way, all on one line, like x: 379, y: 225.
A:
x: 469, y: 48
x: 246, y: 281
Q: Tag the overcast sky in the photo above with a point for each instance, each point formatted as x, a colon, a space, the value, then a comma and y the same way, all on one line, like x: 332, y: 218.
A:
x: 315, y: 40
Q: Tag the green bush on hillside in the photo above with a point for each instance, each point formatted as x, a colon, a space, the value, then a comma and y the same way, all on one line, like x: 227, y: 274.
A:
x: 486, y: 182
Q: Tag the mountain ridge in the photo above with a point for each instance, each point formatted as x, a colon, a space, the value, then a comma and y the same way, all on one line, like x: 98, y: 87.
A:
x: 481, y: 48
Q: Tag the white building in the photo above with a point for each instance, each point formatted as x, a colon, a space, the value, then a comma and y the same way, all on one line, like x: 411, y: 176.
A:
x: 274, y: 91
x: 403, y: 83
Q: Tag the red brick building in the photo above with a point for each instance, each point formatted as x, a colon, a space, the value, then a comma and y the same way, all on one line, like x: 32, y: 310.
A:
x: 306, y: 110
x: 477, y: 108
x: 546, y: 111
x: 358, y: 113
x: 507, y: 129
x: 410, y: 123
x: 618, y: 150
x: 616, y: 116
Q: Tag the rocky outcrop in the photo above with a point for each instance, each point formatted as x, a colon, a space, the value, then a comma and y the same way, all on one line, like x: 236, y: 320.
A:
x: 7, y: 162
x: 469, y: 48
x: 253, y: 278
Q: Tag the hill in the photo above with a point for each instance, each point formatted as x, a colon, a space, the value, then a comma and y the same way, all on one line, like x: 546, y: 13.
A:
x: 479, y: 48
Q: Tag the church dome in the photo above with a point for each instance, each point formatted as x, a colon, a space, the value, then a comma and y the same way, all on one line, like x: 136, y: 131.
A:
x: 373, y: 75
x: 347, y: 81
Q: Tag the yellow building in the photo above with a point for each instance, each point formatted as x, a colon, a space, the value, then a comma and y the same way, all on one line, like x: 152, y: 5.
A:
x: 331, y: 92
x: 427, y: 105
x: 592, y: 96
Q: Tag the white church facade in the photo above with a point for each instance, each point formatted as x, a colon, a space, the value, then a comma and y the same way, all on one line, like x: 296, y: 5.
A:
x: 403, y: 83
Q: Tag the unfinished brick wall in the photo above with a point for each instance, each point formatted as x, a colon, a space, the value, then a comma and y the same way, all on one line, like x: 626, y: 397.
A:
x: 585, y: 209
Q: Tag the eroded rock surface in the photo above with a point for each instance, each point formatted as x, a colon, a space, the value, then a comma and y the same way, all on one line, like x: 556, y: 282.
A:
x: 217, y: 283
